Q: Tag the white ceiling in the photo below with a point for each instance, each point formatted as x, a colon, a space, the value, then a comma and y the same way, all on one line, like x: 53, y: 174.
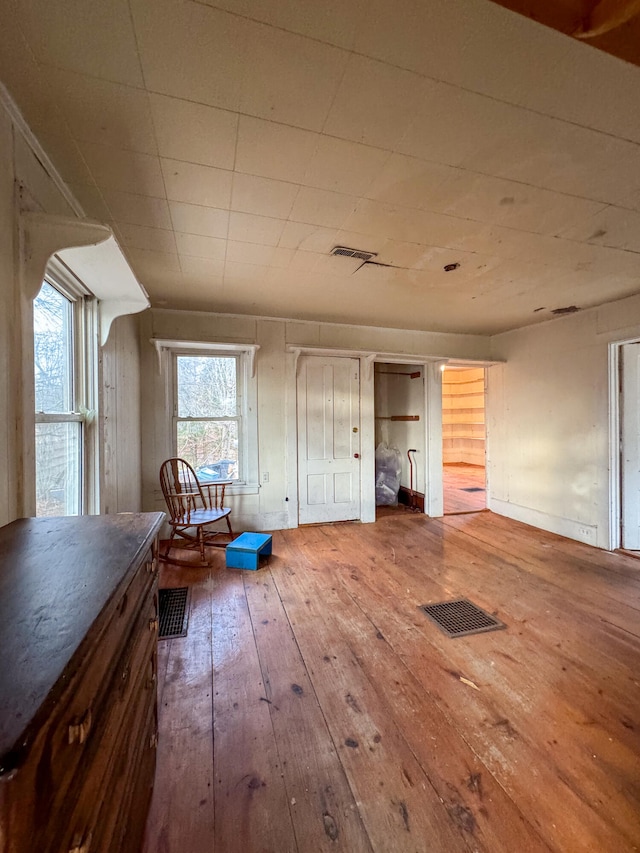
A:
x: 232, y: 143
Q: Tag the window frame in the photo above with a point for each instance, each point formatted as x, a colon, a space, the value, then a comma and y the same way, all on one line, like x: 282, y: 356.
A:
x: 236, y: 417
x: 246, y: 400
x: 84, y: 379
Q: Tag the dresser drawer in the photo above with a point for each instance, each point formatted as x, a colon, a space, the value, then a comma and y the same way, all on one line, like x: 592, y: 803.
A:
x: 95, y: 819
x: 122, y: 830
x: 132, y: 683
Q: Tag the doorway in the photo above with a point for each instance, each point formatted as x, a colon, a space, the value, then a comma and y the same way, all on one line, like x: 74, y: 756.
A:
x: 463, y: 439
x: 629, y: 444
x: 400, y: 437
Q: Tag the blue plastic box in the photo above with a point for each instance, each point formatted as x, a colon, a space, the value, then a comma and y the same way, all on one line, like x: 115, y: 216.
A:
x: 245, y: 551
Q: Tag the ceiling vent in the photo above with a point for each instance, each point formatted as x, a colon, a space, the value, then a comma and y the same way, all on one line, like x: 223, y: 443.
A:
x: 344, y: 252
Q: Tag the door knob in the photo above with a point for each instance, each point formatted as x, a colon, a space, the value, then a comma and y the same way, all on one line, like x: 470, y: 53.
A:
x: 356, y: 456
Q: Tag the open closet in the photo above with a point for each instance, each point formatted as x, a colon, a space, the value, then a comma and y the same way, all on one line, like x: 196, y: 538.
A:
x: 400, y: 436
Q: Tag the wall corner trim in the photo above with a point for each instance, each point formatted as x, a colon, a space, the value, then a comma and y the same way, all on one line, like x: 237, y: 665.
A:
x: 20, y: 123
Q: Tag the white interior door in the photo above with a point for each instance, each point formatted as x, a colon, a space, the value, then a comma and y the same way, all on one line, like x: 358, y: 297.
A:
x: 630, y: 446
x: 328, y: 394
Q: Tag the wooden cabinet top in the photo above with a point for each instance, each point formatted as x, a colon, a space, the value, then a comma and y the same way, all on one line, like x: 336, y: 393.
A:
x: 57, y: 575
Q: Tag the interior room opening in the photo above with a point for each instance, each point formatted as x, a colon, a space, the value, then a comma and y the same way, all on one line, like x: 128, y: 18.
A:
x: 400, y: 437
x: 463, y: 439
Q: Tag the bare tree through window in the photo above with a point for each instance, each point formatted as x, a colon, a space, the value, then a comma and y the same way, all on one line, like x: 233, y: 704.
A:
x: 58, y: 433
x: 208, y: 421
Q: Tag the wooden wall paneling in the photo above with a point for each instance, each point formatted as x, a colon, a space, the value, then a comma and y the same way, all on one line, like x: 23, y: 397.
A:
x: 252, y: 808
x: 397, y: 800
x: 120, y: 393
x: 497, y: 720
x: 183, y: 804
x: 10, y: 355
x: 325, y: 811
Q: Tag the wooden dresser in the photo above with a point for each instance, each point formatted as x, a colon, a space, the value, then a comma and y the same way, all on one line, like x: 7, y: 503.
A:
x: 78, y: 708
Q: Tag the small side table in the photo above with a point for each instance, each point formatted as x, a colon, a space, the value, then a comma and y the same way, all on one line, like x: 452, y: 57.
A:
x: 245, y: 551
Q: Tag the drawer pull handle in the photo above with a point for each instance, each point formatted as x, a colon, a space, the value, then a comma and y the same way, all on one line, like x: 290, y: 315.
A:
x: 79, y: 732
x: 81, y: 846
x: 153, y: 624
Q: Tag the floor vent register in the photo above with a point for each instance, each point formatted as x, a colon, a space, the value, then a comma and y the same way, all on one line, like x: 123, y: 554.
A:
x: 461, y: 617
x: 174, y: 612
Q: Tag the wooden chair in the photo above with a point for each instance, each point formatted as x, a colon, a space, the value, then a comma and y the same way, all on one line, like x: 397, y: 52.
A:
x: 192, y: 508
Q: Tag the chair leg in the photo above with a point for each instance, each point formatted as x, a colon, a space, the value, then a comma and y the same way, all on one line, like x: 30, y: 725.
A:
x: 201, y: 541
x: 228, y: 520
x: 168, y: 548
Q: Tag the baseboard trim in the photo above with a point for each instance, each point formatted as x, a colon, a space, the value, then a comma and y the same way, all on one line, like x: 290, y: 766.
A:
x: 404, y: 498
x: 586, y: 533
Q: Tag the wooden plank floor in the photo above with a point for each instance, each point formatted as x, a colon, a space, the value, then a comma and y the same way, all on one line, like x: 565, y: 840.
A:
x: 313, y: 707
x: 456, y: 478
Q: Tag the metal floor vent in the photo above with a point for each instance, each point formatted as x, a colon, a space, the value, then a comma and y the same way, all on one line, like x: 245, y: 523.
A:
x: 461, y: 617
x: 174, y: 612
x: 473, y: 489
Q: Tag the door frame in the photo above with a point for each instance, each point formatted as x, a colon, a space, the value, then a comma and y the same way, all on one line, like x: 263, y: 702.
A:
x: 367, y: 462
x: 432, y: 471
x: 615, y: 442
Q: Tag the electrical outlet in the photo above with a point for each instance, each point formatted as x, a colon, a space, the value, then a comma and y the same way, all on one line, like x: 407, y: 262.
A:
x: 265, y: 476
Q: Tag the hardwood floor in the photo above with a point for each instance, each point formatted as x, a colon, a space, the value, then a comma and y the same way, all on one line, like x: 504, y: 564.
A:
x: 313, y: 707
x: 458, y: 477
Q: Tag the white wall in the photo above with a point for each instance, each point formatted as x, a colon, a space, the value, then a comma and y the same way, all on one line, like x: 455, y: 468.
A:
x: 547, y: 421
x: 8, y: 304
x: 269, y: 509
x: 121, y: 489
x: 25, y: 185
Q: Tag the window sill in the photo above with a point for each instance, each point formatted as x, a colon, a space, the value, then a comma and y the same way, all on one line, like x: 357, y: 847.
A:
x: 243, y: 489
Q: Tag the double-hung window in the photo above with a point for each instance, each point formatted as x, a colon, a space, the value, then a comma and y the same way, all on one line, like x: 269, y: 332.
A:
x: 214, y: 425
x: 208, y: 415
x: 63, y: 400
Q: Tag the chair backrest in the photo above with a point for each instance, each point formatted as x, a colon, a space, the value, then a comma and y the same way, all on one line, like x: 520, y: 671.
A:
x: 181, y: 489
x: 215, y: 492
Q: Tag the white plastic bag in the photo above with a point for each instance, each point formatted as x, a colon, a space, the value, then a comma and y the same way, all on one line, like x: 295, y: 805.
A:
x: 388, y: 472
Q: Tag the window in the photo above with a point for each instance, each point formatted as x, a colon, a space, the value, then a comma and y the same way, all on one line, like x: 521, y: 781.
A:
x: 208, y: 418
x: 214, y: 403
x: 62, y: 401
